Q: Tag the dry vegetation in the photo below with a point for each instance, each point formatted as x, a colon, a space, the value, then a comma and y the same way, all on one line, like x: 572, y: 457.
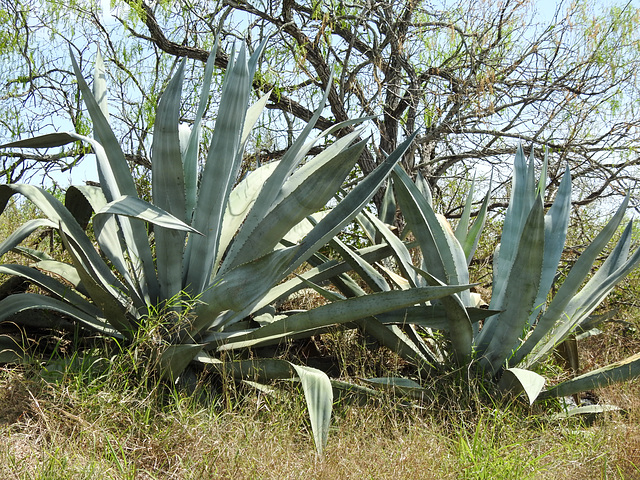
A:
x: 77, y: 421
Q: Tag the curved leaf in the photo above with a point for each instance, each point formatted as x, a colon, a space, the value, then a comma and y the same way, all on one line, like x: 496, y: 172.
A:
x: 518, y: 380
x: 32, y: 301
x: 319, y: 396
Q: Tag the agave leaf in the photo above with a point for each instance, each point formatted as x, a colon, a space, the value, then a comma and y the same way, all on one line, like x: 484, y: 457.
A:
x: 118, y: 177
x: 319, y: 395
x: 50, y: 284
x: 82, y: 201
x: 32, y: 254
x: 430, y: 316
x: 402, y: 386
x: 109, y: 237
x: 219, y: 175
x: 393, y: 338
x: 388, y: 206
x: 328, y: 294
x: 109, y: 240
x: 62, y: 269
x: 621, y: 371
x: 326, y: 270
x: 465, y: 218
x: 315, y: 385
x: 273, y: 186
x: 542, y: 181
x: 585, y: 302
x: 460, y: 330
x: 241, y: 199
x: 443, y: 255
x: 556, y: 225
x: 136, y: 208
x: 104, y: 296
x: 370, y: 275
x: 500, y: 334
x: 32, y: 301
x: 345, y: 311
x: 175, y: 358
x: 519, y: 207
x: 190, y: 157
x: 239, y: 289
x: 424, y: 188
x: 519, y: 380
x: 567, y: 291
x: 587, y: 410
x: 100, y: 86
x: 23, y: 232
x: 255, y: 56
x: 10, y: 350
x: 351, y: 205
x: 400, y: 251
x: 472, y: 236
x: 304, y: 198
x: 116, y: 180
x: 168, y: 187
x: 302, y: 229
x: 48, y: 140
x: 59, y: 215
x: 253, y: 114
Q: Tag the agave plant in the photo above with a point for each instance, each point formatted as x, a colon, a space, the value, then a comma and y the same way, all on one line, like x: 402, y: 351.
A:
x: 524, y: 322
x: 227, y: 243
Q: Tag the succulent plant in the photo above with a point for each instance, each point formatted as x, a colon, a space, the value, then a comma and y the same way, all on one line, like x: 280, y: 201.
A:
x: 227, y: 243
x: 525, y: 321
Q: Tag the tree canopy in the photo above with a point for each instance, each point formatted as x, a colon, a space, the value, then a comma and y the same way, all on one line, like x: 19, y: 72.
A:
x: 473, y: 79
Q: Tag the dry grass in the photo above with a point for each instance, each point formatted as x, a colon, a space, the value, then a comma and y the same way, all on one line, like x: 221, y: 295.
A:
x: 84, y: 427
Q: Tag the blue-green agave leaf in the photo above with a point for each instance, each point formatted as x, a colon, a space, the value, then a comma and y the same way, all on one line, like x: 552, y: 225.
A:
x: 348, y: 310
x: 522, y: 199
x: 168, y: 186
x: 219, y: 176
x: 315, y: 385
x: 239, y: 289
x: 113, y: 304
x: 567, y: 291
x: 500, y: 334
x: 351, y: 205
x: 116, y: 180
x: 302, y: 196
x: 175, y: 358
x: 621, y: 371
x: 319, y: 396
x: 62, y: 292
x: 442, y: 254
x: 460, y: 330
x: 399, y: 249
x: 32, y: 301
x: 190, y: 156
x: 556, y: 223
x: 367, y: 272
